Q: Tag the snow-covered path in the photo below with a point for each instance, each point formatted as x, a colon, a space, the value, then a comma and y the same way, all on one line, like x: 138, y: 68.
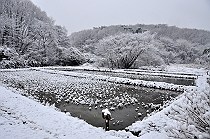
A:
x: 22, y: 118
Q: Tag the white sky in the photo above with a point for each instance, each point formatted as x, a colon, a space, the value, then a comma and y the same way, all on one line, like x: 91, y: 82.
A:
x: 77, y: 15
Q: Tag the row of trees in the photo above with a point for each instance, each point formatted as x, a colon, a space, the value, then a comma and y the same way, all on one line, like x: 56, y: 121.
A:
x: 32, y: 36
x: 168, y: 45
x: 86, y: 37
x: 129, y: 50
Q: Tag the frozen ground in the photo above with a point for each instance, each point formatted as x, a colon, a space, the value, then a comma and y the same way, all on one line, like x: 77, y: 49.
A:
x: 21, y: 117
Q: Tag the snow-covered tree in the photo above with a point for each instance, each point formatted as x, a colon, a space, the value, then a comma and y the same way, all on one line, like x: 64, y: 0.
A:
x: 122, y: 51
x: 176, y: 45
x: 31, y: 33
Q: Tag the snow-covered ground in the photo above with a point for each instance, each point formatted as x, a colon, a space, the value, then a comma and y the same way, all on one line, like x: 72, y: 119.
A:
x: 166, y: 120
x: 169, y: 71
x: 21, y: 117
x: 151, y: 84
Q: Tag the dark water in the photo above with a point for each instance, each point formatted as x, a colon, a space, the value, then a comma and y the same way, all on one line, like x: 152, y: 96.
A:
x: 122, y: 117
x: 178, y: 81
x: 55, y: 88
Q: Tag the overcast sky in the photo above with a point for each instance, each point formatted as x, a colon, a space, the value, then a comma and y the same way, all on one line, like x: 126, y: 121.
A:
x: 77, y: 15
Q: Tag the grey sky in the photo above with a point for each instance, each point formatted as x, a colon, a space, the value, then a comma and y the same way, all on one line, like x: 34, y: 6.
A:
x: 77, y: 15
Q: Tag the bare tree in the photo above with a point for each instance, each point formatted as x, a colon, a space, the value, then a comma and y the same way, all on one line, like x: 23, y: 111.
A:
x: 122, y: 51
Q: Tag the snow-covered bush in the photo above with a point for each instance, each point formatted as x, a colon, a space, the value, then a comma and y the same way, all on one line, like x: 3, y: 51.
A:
x: 204, y: 58
x: 9, y: 58
x: 206, y: 55
x: 12, y: 63
x: 70, y: 57
x: 93, y: 59
x: 7, y: 52
x: 151, y: 57
x: 35, y: 59
x: 192, y: 116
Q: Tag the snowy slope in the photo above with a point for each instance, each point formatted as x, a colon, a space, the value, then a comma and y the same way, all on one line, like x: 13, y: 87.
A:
x: 22, y: 118
x: 160, y: 122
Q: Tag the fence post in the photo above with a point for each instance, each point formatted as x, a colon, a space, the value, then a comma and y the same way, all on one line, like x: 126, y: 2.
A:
x: 107, y: 116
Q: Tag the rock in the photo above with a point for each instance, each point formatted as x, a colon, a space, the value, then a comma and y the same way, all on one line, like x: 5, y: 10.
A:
x: 68, y: 113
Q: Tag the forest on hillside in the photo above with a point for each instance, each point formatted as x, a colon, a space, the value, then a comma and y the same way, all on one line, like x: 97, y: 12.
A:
x: 28, y: 38
x: 143, y: 45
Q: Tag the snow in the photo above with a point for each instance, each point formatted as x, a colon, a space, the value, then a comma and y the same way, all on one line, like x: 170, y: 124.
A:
x: 21, y: 117
x: 153, y: 135
x: 160, y: 122
x: 169, y: 71
x: 106, y: 112
x: 151, y: 84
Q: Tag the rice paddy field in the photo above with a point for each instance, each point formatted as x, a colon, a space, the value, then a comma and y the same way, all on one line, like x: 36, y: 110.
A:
x: 85, y: 97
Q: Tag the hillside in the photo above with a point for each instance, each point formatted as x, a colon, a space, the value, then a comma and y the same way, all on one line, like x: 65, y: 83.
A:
x: 162, y: 30
x: 28, y: 37
x: 165, y: 44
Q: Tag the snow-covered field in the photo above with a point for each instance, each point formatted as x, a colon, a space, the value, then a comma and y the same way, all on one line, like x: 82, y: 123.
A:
x: 128, y: 81
x: 88, y: 94
x: 24, y: 118
x: 187, y: 117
